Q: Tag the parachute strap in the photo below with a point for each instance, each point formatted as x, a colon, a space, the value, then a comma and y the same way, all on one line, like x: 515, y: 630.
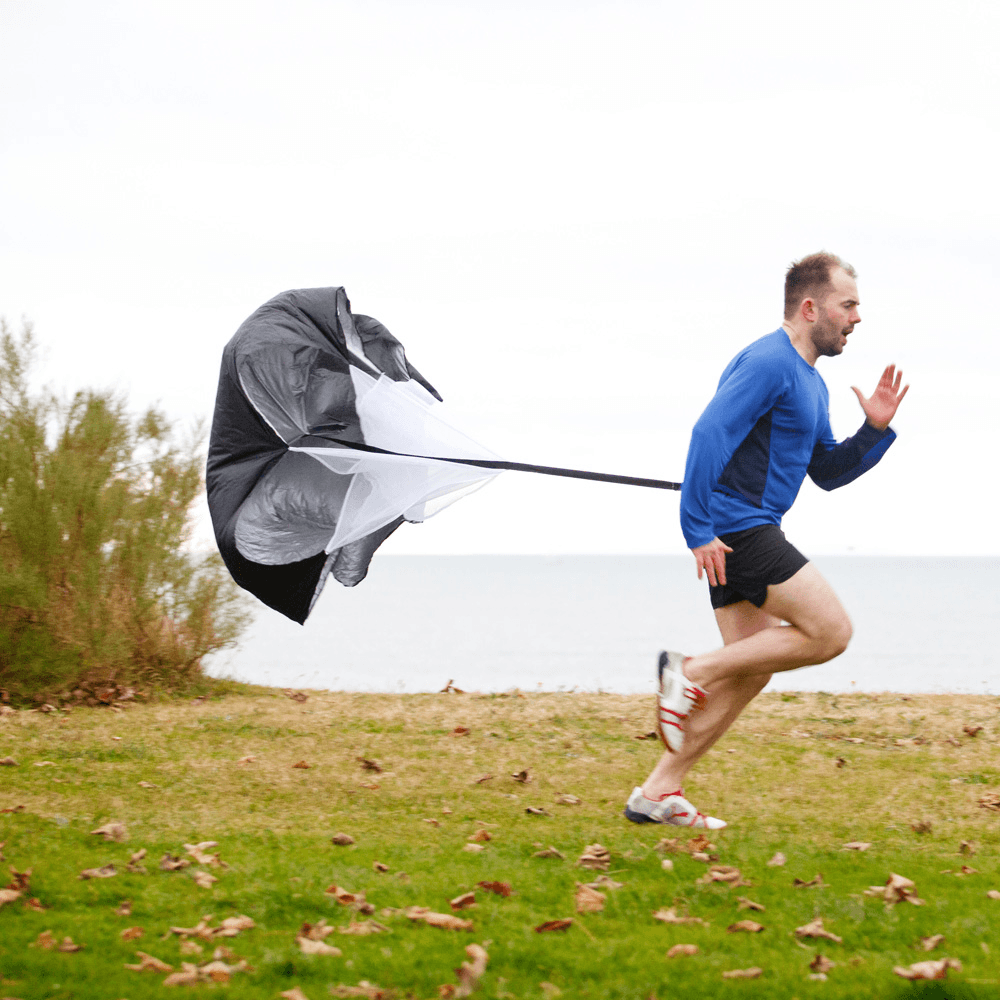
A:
x: 501, y: 466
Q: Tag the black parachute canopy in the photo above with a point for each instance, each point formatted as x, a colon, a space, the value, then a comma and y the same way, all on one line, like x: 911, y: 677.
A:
x: 302, y: 381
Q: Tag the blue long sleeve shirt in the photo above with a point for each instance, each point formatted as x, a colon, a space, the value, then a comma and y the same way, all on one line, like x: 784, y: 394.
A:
x: 766, y: 428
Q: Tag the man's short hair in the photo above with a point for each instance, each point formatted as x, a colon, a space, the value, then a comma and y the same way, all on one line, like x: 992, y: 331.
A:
x: 811, y: 277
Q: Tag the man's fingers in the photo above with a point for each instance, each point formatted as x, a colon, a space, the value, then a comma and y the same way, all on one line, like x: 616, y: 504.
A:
x: 899, y: 398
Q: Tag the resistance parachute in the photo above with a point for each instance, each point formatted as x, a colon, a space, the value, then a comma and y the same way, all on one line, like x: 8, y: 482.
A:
x: 323, y: 442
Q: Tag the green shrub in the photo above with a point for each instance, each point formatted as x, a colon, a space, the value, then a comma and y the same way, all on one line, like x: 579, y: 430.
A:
x: 96, y: 583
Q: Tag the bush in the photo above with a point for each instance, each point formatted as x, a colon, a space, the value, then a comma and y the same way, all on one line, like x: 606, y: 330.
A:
x: 96, y: 585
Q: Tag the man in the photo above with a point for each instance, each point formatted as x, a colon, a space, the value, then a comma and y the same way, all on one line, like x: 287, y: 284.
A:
x: 765, y: 429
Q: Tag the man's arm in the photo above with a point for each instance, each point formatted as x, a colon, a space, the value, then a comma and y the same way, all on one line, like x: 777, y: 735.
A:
x: 834, y: 465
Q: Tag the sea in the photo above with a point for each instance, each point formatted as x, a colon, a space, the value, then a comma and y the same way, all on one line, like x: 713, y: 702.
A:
x: 493, y: 623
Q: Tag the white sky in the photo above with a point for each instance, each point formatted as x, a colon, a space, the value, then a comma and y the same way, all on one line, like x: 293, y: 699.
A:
x: 571, y: 213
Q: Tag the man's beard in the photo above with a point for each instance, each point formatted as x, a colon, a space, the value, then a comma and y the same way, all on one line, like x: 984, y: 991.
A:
x: 826, y: 336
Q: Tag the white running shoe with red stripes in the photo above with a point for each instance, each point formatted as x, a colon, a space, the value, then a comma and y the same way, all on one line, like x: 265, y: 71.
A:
x: 677, y: 696
x: 672, y: 809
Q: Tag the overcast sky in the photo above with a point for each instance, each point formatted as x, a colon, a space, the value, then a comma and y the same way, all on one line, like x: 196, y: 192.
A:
x: 571, y: 213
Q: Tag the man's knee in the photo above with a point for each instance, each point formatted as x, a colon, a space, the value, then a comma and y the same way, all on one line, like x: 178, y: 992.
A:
x: 835, y: 637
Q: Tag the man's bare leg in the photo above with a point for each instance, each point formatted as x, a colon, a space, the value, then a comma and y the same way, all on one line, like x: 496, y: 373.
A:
x: 818, y: 629
x: 728, y: 699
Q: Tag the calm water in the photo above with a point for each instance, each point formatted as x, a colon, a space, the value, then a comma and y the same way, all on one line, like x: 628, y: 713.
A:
x: 596, y: 622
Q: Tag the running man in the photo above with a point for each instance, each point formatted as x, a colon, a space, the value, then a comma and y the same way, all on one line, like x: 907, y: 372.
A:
x: 766, y: 427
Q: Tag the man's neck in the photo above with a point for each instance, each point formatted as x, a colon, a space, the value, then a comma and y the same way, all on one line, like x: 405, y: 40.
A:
x: 802, y: 343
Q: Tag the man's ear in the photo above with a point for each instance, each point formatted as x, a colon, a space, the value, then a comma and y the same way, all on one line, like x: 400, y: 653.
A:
x: 809, y: 309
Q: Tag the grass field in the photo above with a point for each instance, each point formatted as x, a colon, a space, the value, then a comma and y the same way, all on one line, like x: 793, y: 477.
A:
x: 799, y: 774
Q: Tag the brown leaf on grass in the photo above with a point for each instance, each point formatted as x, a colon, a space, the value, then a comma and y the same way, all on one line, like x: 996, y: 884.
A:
x: 554, y: 925
x: 588, y: 900
x: 815, y: 929
x: 856, y: 845
x: 450, y: 688
x: 115, y: 830
x: 299, y: 696
x: 187, y: 977
x: 500, y: 888
x: 8, y: 762
x: 972, y: 731
x: 930, y: 943
x: 535, y: 811
x: 483, y: 779
x: 131, y: 933
x: 34, y: 904
x: 379, y: 867
x: 44, y: 763
x: 464, y: 901
x: 929, y: 969
x: 549, y: 852
x: 363, y: 989
x: 106, y: 872
x: 821, y: 964
x: 9, y: 895
x: 364, y: 927
x: 777, y: 861
x: 21, y: 881
x: 897, y: 888
x: 191, y: 948
x: 991, y: 801
x: 302, y: 765
x: 603, y: 882
x: 12, y: 809
x: 343, y: 896
x: 568, y: 800
x: 433, y: 822
x: 248, y: 759
x: 367, y: 764
x: 310, y: 947
x: 748, y: 904
x: 683, y: 949
x: 481, y: 836
x: 44, y: 940
x: 669, y: 845
x: 669, y: 916
x: 231, y: 926
x: 204, y: 880
x: 922, y: 826
x: 170, y: 863
x: 460, y: 731
x: 841, y: 762
x: 751, y: 973
x: 443, y: 920
x: 199, y: 852
x: 342, y: 839
x: 594, y: 856
x: 521, y: 776
x: 723, y: 873
x: 147, y: 784
x: 993, y: 894
x: 370, y: 785
x: 651, y: 735
x: 966, y: 847
x: 149, y: 963
x: 749, y: 926
x: 200, y: 930
x: 124, y: 908
x: 293, y: 994
x: 816, y: 882
x: 469, y: 973
x: 473, y: 848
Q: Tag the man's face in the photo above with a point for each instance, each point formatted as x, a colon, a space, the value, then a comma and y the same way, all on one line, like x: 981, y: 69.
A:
x: 838, y: 315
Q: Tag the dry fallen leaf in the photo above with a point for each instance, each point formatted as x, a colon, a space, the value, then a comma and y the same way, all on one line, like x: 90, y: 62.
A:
x: 169, y: 863
x: 993, y: 894
x: 363, y: 989
x: 749, y: 926
x: 293, y: 994
x: 594, y: 856
x: 568, y: 800
x: 8, y: 762
x: 44, y: 763
x: 816, y: 882
x: 379, y: 867
x: 443, y: 920
x: 748, y: 904
x: 124, y: 908
x: 535, y: 811
x: 473, y: 848
x: 990, y: 800
x: 342, y: 896
x: 821, y: 964
x: 21, y: 881
x: 316, y: 931
x: 815, y: 929
x: 45, y: 940
x: 669, y: 916
x: 248, y: 759
x: 930, y: 943
x: 237, y: 923
x: 470, y: 972
x: 929, y: 969
x: 460, y: 731
x: 549, y: 852
x: 191, y: 948
x: 554, y: 925
x: 114, y: 830
x: 8, y: 896
x: 589, y: 900
x: 966, y: 847
x: 481, y: 836
x: 342, y: 839
x: 149, y: 963
x: 522, y: 776
x: 188, y: 977
x: 310, y: 947
x: 302, y: 765
x: 106, y: 872
x: 131, y: 933
x: 897, y: 888
x: 972, y: 731
x: 500, y: 888
x: 752, y: 973
x: 682, y: 949
x: 204, y: 880
x: 199, y: 852
x: 464, y: 901
x: 604, y: 882
x: 777, y: 861
x: 856, y: 845
x: 299, y: 696
x: 147, y: 784
x: 364, y: 927
x: 723, y: 873
x: 34, y: 904
x: 922, y: 826
x: 484, y: 778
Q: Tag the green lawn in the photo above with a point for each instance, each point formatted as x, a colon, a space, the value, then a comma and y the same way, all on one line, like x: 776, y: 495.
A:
x: 802, y: 775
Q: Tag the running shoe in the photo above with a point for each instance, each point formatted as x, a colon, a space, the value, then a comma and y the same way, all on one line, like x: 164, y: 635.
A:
x: 676, y: 696
x: 672, y: 809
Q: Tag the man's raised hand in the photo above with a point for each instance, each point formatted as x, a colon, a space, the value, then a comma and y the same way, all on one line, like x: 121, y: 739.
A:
x: 881, y: 407
x: 711, y: 558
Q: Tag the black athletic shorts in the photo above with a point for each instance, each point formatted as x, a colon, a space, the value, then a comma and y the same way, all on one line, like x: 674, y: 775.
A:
x: 761, y: 556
